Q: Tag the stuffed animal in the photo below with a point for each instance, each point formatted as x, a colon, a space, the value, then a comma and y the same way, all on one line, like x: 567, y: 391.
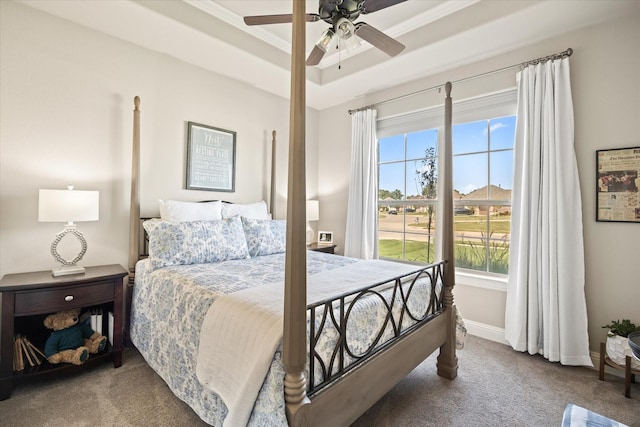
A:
x: 71, y: 342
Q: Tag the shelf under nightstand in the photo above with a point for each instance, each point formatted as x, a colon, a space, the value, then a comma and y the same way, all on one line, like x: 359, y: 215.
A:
x: 28, y: 297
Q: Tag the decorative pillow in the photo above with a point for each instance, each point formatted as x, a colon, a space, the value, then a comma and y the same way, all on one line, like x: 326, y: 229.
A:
x: 195, y: 242
x: 256, y: 210
x: 172, y: 210
x: 265, y: 236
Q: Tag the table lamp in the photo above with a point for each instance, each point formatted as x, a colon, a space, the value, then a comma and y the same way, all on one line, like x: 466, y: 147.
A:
x: 68, y: 206
x: 313, y: 214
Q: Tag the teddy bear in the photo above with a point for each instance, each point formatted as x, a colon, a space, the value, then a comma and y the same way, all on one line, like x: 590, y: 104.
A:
x: 70, y: 341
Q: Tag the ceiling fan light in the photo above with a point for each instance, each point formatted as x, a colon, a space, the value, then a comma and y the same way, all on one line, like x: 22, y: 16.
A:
x: 325, y: 39
x: 345, y: 28
x: 351, y: 43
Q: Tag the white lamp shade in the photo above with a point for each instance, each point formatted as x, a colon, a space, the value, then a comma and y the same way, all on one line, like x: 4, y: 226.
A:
x: 313, y: 210
x: 68, y: 206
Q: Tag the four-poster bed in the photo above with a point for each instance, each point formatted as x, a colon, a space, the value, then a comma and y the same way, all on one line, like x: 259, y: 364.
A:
x: 339, y: 345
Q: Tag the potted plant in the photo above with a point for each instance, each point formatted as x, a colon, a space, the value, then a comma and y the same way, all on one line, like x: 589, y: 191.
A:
x: 617, y: 343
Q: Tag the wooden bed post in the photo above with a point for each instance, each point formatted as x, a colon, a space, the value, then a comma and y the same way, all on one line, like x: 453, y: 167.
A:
x: 447, y: 359
x: 272, y: 188
x: 134, y: 214
x: 295, y: 293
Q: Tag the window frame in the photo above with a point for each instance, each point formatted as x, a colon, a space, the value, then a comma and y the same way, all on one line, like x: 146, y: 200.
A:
x: 485, y: 107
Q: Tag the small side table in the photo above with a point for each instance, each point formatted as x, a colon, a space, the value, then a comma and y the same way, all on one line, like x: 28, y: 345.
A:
x: 629, y: 374
x: 27, y: 298
x: 322, y: 247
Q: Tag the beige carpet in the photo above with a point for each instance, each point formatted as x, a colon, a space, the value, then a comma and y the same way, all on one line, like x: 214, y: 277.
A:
x: 495, y: 387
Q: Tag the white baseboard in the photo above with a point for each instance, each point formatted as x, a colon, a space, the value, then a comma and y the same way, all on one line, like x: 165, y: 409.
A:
x: 493, y: 333
x: 482, y: 330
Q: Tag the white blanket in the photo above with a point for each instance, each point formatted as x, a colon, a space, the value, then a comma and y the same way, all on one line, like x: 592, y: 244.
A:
x: 242, y: 331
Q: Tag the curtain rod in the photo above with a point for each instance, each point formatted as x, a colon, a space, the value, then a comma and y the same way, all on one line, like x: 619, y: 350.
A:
x: 559, y: 55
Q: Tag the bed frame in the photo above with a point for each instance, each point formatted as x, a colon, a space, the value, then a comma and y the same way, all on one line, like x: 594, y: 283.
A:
x: 347, y: 397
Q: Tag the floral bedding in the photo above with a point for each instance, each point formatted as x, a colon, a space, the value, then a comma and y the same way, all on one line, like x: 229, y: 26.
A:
x: 168, y: 308
x: 170, y: 304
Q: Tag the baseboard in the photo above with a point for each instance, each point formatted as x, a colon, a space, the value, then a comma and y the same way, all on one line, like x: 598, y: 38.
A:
x: 595, y: 359
x: 482, y: 330
x: 493, y: 333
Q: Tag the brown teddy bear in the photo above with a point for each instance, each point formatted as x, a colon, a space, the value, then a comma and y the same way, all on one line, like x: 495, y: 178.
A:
x: 71, y: 342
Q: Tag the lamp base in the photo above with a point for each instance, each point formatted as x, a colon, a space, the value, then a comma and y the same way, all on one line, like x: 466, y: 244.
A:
x: 68, y: 266
x: 310, y: 234
x: 65, y: 270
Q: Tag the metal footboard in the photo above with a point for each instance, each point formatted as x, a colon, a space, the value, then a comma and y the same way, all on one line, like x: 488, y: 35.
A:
x: 402, y: 314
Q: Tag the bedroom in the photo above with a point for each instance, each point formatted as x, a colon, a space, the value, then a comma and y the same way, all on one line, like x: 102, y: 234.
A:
x: 66, y: 106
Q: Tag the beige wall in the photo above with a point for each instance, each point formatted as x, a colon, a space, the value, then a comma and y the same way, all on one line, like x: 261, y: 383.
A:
x: 65, y: 117
x: 66, y: 101
x: 606, y: 95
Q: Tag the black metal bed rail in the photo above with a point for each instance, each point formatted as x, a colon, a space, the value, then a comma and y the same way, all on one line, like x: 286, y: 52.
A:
x: 331, y: 355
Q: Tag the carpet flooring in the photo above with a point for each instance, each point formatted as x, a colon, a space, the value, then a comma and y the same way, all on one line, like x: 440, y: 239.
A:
x: 495, y: 387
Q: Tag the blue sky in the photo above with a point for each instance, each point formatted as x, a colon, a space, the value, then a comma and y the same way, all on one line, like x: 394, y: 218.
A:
x: 470, y: 144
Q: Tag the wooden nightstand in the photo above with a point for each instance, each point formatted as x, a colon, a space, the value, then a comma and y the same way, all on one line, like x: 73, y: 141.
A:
x: 322, y: 247
x: 27, y: 298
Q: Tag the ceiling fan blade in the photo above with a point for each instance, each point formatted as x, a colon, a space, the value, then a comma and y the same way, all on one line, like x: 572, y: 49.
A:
x: 277, y: 19
x: 315, y: 56
x: 379, y: 39
x: 371, y: 6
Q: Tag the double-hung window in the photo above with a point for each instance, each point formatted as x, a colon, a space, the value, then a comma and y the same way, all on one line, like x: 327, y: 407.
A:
x: 408, y: 184
x: 407, y: 196
x: 482, y: 177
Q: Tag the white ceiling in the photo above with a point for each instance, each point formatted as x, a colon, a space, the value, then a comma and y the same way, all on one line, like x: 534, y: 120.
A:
x: 438, y: 34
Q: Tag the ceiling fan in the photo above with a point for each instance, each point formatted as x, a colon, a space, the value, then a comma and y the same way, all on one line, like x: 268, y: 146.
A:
x: 340, y: 14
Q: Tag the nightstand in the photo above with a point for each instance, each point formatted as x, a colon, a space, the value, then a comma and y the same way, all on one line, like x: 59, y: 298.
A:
x: 27, y: 298
x: 322, y: 247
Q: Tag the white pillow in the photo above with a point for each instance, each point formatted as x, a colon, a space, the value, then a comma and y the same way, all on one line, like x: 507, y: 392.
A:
x: 256, y: 210
x: 172, y: 210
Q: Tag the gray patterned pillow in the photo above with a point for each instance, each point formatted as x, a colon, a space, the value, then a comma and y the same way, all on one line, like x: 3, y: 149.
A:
x: 265, y: 236
x: 195, y: 242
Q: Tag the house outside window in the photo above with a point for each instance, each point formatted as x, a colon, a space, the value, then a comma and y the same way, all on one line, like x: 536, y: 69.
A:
x: 482, y: 175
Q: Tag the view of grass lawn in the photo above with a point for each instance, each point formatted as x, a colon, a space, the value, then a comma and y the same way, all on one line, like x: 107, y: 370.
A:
x: 479, y: 245
x: 478, y: 223
x: 414, y: 251
x: 469, y: 253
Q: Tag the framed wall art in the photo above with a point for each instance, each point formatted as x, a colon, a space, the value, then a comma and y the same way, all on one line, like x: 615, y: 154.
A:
x: 211, y: 158
x: 618, y: 180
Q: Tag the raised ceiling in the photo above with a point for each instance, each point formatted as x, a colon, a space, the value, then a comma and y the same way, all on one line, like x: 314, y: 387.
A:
x: 438, y: 34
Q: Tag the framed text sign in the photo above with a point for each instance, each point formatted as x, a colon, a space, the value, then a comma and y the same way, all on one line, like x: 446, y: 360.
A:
x: 211, y: 158
x: 618, y: 175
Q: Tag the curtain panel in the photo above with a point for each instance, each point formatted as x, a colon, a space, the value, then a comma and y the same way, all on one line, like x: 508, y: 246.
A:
x: 361, y: 239
x: 546, y: 307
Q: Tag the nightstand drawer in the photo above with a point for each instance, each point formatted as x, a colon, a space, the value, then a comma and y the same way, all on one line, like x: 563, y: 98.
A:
x: 51, y: 300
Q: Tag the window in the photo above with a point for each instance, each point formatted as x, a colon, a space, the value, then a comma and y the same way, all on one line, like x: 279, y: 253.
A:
x: 407, y: 196
x: 482, y: 175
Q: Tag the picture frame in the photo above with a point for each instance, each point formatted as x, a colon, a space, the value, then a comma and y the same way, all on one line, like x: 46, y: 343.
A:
x: 617, y: 185
x: 211, y: 158
x: 325, y: 237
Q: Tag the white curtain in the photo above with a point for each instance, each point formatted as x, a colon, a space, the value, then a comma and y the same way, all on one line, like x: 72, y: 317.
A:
x: 361, y: 240
x: 546, y: 308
